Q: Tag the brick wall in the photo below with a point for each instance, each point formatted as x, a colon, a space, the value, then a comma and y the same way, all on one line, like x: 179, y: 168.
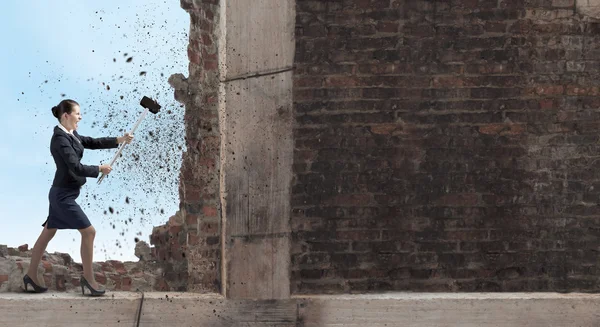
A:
x: 445, y: 146
x: 61, y: 273
x: 200, y: 168
x: 189, y: 244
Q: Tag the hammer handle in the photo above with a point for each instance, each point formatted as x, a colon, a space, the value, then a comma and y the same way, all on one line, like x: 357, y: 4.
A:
x: 122, y: 146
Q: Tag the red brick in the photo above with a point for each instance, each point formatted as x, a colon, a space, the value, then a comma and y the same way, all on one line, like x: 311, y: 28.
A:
x: 119, y: 267
x: 178, y: 251
x: 550, y: 90
x: 206, y: 56
x: 580, y: 90
x: 3, y: 278
x: 449, y: 81
x: 161, y: 285
x: 47, y: 266
x: 126, y: 284
x: 193, y: 238
x: 351, y: 199
x: 163, y: 254
x: 105, y: 266
x: 209, y: 228
x: 209, y: 13
x: 211, y: 99
x: 308, y: 81
x: 206, y: 39
x: 387, y: 27
x: 502, y: 129
x: 206, y: 25
x: 194, y: 56
x: 546, y: 104
x: 341, y: 81
x: 60, y: 283
x: 210, y: 65
x: 207, y: 162
x: 209, y: 211
x: 191, y: 219
x: 187, y: 173
x: 495, y: 27
x: 100, y: 278
x: 358, y: 235
x: 174, y: 230
x: 385, y: 128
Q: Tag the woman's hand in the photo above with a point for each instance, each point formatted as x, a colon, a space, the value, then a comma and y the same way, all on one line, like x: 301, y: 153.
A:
x: 105, y: 169
x: 127, y: 138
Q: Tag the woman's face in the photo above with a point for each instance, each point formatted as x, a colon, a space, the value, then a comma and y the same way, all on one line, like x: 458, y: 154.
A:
x: 70, y: 120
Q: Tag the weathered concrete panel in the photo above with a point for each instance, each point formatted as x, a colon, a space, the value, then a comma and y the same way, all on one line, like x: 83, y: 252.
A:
x: 259, y: 36
x: 443, y: 309
x: 259, y: 268
x: 257, y: 155
x: 256, y: 173
x: 256, y: 51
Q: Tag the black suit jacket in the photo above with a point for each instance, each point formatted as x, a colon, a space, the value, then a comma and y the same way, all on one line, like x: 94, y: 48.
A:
x: 67, y: 151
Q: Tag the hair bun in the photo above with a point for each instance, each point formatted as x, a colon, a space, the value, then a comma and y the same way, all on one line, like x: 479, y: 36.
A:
x: 54, y: 111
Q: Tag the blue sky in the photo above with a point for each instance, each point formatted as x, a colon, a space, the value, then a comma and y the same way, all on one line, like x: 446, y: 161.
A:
x: 81, y: 49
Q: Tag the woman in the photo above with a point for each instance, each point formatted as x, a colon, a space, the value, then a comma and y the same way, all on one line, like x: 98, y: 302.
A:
x: 67, y: 147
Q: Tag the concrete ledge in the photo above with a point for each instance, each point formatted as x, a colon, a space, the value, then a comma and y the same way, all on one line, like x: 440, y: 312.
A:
x: 395, y: 309
x: 158, y: 309
x: 465, y: 310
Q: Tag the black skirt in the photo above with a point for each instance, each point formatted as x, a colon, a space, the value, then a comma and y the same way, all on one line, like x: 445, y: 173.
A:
x: 64, y: 212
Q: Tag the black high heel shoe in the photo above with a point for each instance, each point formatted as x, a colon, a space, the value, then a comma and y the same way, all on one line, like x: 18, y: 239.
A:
x: 36, y: 288
x: 93, y: 292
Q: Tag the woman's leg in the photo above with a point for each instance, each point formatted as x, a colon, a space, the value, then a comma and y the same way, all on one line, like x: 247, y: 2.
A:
x: 87, y: 254
x: 38, y: 251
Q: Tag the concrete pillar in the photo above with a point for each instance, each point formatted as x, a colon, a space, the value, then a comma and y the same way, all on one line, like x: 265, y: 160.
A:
x: 256, y: 53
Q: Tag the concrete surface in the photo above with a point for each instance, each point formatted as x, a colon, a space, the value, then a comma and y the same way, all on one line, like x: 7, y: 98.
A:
x: 257, y: 155
x: 256, y: 174
x: 397, y: 309
x: 258, y: 35
x: 158, y: 309
x: 259, y: 269
x: 256, y: 54
x: 464, y: 310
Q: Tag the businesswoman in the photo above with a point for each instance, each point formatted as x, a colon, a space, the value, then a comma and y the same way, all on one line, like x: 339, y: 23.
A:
x: 67, y: 147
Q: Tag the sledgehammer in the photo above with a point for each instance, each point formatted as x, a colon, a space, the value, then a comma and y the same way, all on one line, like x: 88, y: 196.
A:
x: 149, y: 105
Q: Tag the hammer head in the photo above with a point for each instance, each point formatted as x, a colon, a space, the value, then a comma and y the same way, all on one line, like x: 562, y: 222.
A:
x: 150, y: 104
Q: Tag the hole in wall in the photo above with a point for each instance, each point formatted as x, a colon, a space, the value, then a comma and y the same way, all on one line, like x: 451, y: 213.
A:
x: 106, y: 56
